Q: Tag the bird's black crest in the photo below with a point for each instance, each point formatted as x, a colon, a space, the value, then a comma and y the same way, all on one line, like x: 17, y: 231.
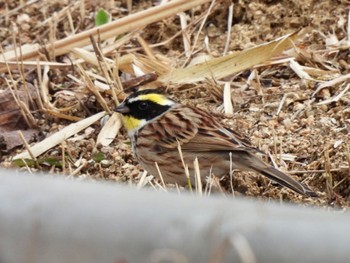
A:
x: 144, y: 109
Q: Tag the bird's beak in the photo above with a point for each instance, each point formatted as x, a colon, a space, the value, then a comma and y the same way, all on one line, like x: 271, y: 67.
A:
x: 122, y: 108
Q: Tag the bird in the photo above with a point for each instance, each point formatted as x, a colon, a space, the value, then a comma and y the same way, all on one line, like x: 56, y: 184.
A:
x: 159, y: 126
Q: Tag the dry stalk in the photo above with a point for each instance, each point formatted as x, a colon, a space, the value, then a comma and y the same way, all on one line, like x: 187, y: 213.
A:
x: 142, y: 181
x: 153, y: 186
x: 37, y: 85
x: 348, y: 159
x: 105, y: 68
x: 26, y: 111
x: 129, y: 5
x: 198, y: 177
x: 231, y: 174
x: 93, y: 89
x: 44, y: 88
x: 227, y: 99
x: 115, y: 28
x: 117, y: 80
x: 147, y: 49
x: 63, y: 157
x: 28, y: 117
x: 199, y: 31
x: 185, y: 166
x: 62, y: 115
x: 328, y: 174
x: 9, y: 13
x: 20, y: 66
x: 82, y: 10
x: 331, y: 83
x: 282, y: 103
x: 185, y: 37
x: 160, y: 176
x: 26, y: 145
x: 229, y: 26
x: 70, y: 21
x: 76, y: 171
x: 159, y: 186
x: 52, y: 37
x: 320, y: 171
x: 148, y: 64
x: 60, y: 136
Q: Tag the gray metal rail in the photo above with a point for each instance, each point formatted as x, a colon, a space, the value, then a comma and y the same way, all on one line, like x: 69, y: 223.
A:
x: 50, y: 219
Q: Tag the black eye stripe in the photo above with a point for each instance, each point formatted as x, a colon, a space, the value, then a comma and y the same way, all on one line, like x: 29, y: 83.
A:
x: 146, y: 109
x: 143, y: 105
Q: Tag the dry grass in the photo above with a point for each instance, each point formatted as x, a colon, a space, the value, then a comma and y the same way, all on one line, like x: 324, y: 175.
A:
x: 285, y: 89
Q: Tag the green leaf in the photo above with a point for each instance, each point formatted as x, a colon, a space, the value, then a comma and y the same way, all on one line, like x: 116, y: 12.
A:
x: 43, y: 161
x: 23, y: 162
x: 102, y: 17
x: 98, y: 157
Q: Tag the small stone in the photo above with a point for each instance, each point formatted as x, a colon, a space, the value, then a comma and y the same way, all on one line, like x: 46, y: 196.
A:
x: 288, y: 123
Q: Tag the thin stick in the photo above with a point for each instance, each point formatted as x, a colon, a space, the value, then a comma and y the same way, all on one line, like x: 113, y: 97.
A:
x: 198, y: 177
x: 231, y: 174
x: 187, y: 173
x: 320, y: 171
x: 63, y: 157
x: 199, y: 31
x: 93, y: 89
x: 229, y: 26
x: 76, y: 171
x: 105, y: 68
x: 18, y: 8
x: 27, y: 146
x: 160, y: 175
x: 115, y: 28
x: 142, y: 181
x: 18, y: 104
x: 348, y: 157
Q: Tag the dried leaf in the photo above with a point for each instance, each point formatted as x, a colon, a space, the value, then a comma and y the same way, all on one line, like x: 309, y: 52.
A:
x: 224, y: 66
x: 11, y: 139
x: 59, y: 136
x: 109, y: 130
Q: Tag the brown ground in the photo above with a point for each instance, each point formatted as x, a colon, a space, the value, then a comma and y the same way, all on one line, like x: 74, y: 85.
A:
x: 317, y: 135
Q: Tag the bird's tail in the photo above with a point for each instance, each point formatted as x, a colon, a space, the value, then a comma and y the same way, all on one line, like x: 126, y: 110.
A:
x: 287, y: 181
x: 280, y: 177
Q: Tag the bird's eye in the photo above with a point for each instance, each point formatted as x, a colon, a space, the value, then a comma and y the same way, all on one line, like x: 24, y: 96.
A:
x: 143, y: 105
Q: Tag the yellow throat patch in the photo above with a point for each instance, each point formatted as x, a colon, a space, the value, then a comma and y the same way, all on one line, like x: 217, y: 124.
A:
x: 131, y: 123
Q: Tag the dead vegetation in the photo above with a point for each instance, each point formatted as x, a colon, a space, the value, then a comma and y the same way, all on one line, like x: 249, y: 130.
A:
x: 276, y: 71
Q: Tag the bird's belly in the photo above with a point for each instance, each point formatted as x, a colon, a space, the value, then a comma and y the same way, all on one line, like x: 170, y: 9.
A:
x: 172, y: 169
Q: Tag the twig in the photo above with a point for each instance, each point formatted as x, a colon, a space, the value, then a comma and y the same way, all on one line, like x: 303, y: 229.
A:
x: 320, y: 171
x: 18, y: 8
x: 185, y: 166
x: 26, y: 145
x: 229, y: 27
x: 200, y: 30
x: 115, y: 28
x: 160, y: 176
x: 198, y: 177
x: 336, y: 97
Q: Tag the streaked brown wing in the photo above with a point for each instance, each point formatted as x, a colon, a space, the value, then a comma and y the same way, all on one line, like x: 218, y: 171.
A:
x: 173, y: 126
x: 196, y: 130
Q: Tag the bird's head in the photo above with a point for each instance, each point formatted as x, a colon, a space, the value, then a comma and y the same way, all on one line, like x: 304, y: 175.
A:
x: 143, y: 106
